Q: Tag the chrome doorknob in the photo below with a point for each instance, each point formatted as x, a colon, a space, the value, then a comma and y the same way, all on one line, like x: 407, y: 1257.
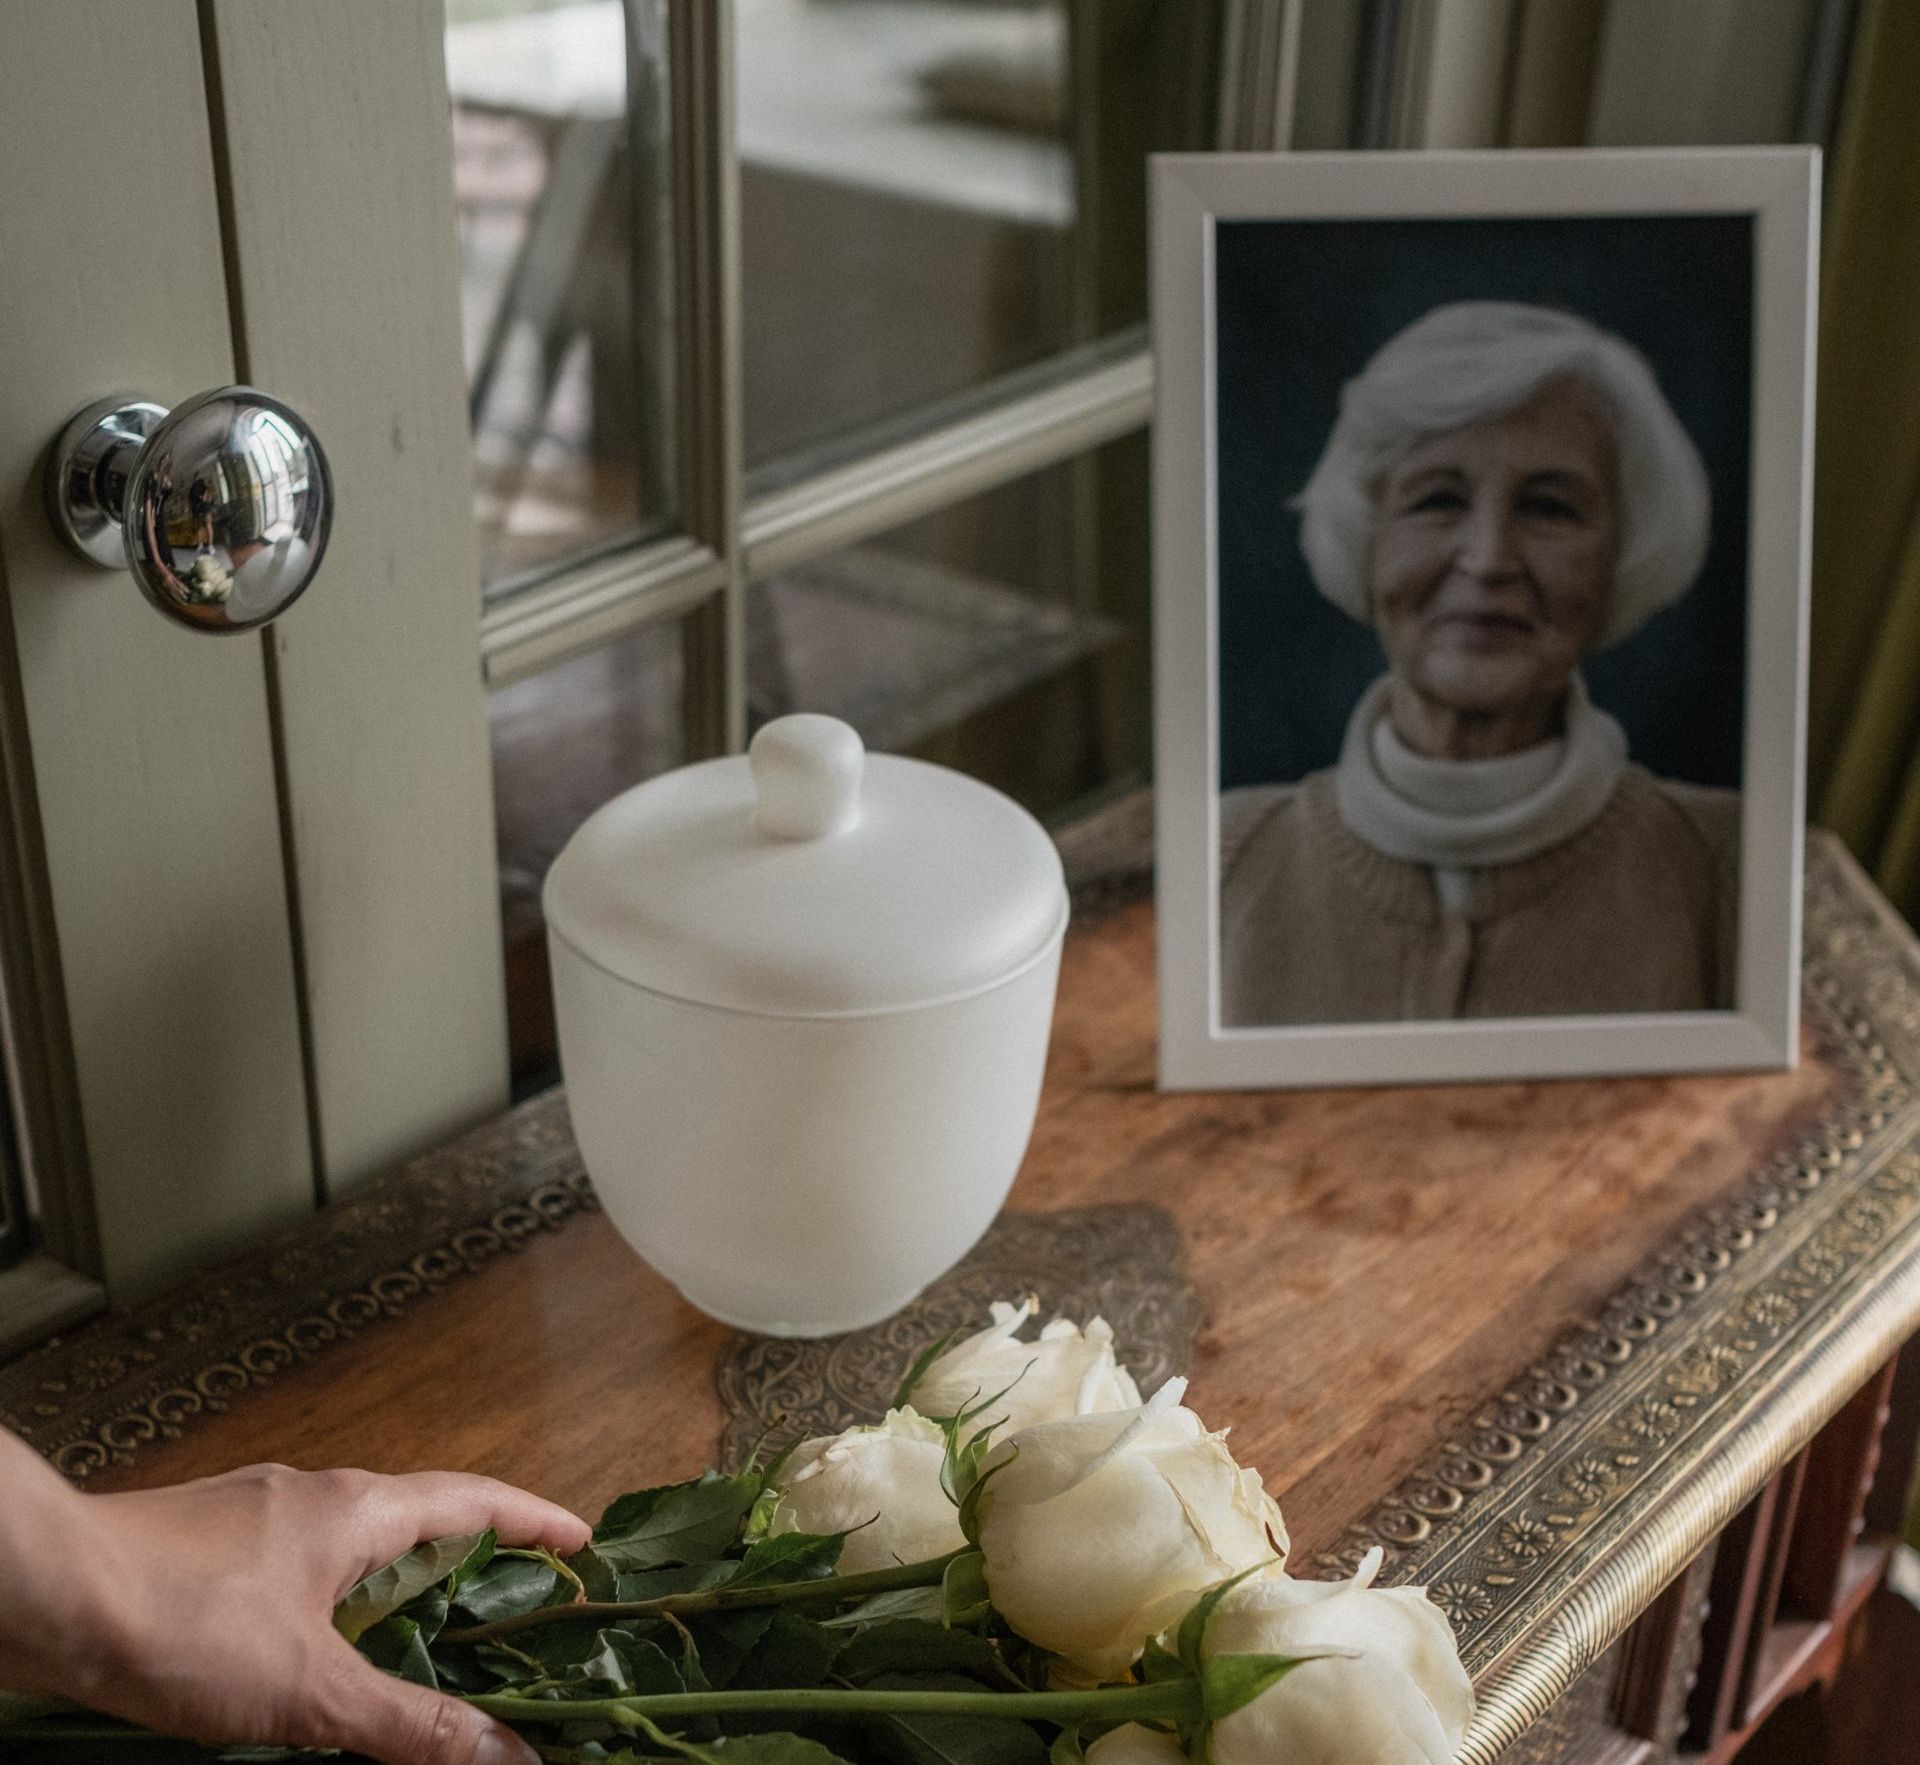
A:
x: 220, y: 506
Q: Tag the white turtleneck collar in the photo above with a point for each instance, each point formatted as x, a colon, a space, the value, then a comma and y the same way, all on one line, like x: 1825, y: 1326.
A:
x: 1458, y: 788
x: 1463, y: 815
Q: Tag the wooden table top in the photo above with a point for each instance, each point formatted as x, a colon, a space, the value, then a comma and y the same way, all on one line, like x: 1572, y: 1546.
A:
x: 1526, y: 1335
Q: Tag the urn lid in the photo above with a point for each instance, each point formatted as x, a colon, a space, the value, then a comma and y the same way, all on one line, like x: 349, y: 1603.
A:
x: 809, y: 878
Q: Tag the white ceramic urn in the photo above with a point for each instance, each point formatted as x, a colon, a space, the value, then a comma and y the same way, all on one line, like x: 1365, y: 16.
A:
x: 804, y: 1000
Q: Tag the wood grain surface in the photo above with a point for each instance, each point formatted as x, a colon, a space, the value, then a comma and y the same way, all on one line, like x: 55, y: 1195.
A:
x: 1374, y: 1263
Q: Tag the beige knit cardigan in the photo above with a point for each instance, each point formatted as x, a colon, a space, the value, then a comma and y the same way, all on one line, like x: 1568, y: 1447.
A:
x: 1636, y: 912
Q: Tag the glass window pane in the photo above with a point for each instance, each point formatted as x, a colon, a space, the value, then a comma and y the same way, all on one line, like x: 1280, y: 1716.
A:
x: 564, y: 741
x: 1004, y: 635
x: 937, y: 192
x: 561, y: 185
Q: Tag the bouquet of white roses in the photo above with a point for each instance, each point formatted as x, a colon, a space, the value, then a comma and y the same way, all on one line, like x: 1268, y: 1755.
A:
x: 1023, y: 1564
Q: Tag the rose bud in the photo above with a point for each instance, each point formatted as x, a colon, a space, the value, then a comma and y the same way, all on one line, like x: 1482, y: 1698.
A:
x: 884, y: 1481
x: 1067, y: 1372
x: 1099, y: 1531
x: 1402, y: 1699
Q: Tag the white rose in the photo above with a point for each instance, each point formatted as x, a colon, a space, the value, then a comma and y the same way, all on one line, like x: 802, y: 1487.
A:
x: 884, y: 1481
x: 1067, y: 1372
x: 1137, y: 1744
x: 1099, y: 1531
x: 1133, y: 1744
x: 1402, y: 1699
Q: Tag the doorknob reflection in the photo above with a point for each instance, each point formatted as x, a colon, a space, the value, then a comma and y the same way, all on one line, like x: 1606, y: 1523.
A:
x: 220, y: 507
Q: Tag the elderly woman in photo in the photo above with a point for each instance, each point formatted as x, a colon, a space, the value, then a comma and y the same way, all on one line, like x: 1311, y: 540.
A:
x: 1505, y: 492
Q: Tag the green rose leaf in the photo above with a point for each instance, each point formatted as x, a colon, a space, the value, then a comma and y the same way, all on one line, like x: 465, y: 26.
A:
x: 506, y: 1587
x: 967, y: 1479
x: 793, y: 1556
x: 560, y: 1647
x: 963, y: 1591
x: 911, y: 1645
x: 429, y: 1612
x: 396, y: 1646
x: 244, y: 1754
x: 597, y: 1577
x: 386, y: 1590
x: 745, y: 1749
x: 609, y: 1669
x: 509, y: 1666
x: 650, y: 1669
x: 792, y: 1651
x: 771, y: 1749
x: 964, y: 1470
x: 725, y: 1640
x: 624, y: 1510
x: 1157, y: 1665
x: 1231, y: 1682
x: 950, y: 1740
x: 462, y: 1670
x: 616, y: 1665
x: 653, y: 1584
x: 928, y: 1603
x: 260, y: 1755
x: 678, y: 1523
x: 1066, y: 1748
x: 571, y: 1587
x: 474, y: 1561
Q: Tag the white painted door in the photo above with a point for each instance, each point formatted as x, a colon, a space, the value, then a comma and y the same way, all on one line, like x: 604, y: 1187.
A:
x: 250, y: 929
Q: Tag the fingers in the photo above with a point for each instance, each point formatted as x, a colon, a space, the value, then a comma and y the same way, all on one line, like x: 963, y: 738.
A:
x: 440, y: 1504
x: 402, y: 1724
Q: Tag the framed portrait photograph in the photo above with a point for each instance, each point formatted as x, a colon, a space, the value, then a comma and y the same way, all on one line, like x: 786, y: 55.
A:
x: 1481, y: 502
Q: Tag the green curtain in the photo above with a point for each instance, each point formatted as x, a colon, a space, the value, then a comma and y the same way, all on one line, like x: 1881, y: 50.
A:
x: 1864, y: 704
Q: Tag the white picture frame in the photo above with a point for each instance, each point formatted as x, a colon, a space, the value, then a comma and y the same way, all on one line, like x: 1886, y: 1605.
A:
x: 1192, y: 195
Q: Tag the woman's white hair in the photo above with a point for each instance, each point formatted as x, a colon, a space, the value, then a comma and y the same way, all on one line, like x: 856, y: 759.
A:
x: 1483, y: 358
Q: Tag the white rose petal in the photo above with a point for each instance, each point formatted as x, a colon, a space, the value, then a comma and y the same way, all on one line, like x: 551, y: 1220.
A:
x: 1133, y: 1744
x: 1066, y: 1372
x: 883, y: 1480
x: 1099, y: 1531
x: 1403, y: 1699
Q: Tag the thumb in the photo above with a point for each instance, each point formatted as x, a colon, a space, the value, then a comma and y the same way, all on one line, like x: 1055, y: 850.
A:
x: 402, y: 1724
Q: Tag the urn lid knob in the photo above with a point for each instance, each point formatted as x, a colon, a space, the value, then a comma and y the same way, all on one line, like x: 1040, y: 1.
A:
x: 806, y: 776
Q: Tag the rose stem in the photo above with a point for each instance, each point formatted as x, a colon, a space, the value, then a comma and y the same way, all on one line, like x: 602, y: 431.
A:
x: 1175, y: 1699
x: 719, y: 1599
x: 1166, y: 1700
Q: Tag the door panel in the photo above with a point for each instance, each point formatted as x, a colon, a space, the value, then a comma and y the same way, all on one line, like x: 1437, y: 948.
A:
x: 338, y: 180
x: 145, y: 827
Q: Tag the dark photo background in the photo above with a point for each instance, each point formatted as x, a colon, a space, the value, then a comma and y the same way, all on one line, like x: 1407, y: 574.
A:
x: 1302, y: 305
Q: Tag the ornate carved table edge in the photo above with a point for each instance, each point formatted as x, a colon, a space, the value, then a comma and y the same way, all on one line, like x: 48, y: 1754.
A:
x: 98, y: 1394
x: 1552, y: 1518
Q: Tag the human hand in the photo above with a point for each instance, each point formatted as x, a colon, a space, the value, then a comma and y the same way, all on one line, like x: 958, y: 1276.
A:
x: 204, y: 1610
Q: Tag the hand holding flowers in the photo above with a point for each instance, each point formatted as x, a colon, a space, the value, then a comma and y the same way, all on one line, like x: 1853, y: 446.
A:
x: 1020, y: 1562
